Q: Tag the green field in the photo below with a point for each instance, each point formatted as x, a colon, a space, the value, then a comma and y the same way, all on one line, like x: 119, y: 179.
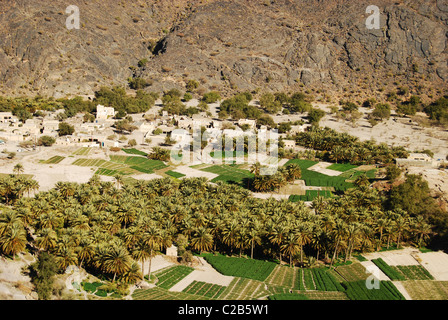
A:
x: 229, y: 174
x: 54, y: 160
x: 140, y: 164
x: 175, y: 174
x: 241, y: 267
x: 230, y: 154
x: 416, y: 272
x: 105, y: 167
x: 157, y: 293
x: 135, y: 151
x: 342, y: 167
x: 172, y: 275
x: 310, y: 195
x: 339, y: 183
x: 82, y: 151
x: 209, y: 290
x: 392, y: 272
x: 358, y: 290
x: 352, y: 272
x: 426, y: 289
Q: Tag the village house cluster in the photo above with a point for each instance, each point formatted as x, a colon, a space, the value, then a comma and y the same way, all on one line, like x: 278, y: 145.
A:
x: 152, y: 127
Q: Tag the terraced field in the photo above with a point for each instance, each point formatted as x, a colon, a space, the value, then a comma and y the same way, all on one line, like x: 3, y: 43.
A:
x: 157, y: 293
x: 54, y: 160
x: 208, y: 290
x: 352, y: 272
x: 426, y: 289
x: 137, y: 163
x: 105, y: 167
x: 82, y: 151
x: 172, y: 275
x: 244, y: 289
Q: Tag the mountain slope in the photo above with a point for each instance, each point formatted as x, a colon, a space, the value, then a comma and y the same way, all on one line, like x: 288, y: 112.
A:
x: 226, y: 45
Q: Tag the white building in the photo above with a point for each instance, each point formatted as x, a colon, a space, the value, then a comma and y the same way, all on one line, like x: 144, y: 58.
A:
x: 103, y: 113
x: 249, y: 122
x: 289, y: 144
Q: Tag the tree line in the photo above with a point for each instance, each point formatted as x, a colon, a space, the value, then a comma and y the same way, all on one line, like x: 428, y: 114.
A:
x: 108, y: 229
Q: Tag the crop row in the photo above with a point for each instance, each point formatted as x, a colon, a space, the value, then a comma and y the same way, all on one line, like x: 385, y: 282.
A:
x: 325, y: 281
x: 357, y: 290
x: 241, y: 267
x: 205, y: 289
x: 173, y: 275
x: 392, y: 273
x: 416, y: 272
x: 54, y: 160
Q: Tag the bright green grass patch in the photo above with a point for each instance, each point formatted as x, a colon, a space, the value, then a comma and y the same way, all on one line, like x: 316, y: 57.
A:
x: 313, y: 178
x: 54, y: 160
x: 175, y: 174
x: 241, y: 267
x: 229, y: 174
x: 135, y: 151
x: 392, y: 273
x: 358, y: 290
x: 341, y: 167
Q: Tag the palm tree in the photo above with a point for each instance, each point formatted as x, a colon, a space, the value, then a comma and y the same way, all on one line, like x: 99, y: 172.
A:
x: 18, y: 168
x: 116, y: 260
x: 255, y: 168
x: 65, y: 256
x: 118, y: 180
x: 202, y: 240
x: 276, y: 236
x: 46, y: 239
x: 140, y: 252
x: 293, y: 172
x: 291, y: 245
x: 339, y: 233
x: 152, y: 240
x: 13, y: 240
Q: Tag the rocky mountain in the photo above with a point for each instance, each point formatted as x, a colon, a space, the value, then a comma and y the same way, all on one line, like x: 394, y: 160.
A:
x: 227, y: 45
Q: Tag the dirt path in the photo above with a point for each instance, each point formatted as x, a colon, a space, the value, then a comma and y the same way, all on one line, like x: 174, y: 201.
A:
x: 203, y: 272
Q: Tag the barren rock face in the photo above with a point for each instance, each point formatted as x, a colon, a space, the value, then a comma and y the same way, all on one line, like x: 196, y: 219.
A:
x: 227, y: 45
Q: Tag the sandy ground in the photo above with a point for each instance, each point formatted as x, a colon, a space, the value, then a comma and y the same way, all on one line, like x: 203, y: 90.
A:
x: 13, y: 284
x: 404, y: 257
x: 436, y: 263
x: 203, y: 272
x: 191, y: 172
x: 322, y: 168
